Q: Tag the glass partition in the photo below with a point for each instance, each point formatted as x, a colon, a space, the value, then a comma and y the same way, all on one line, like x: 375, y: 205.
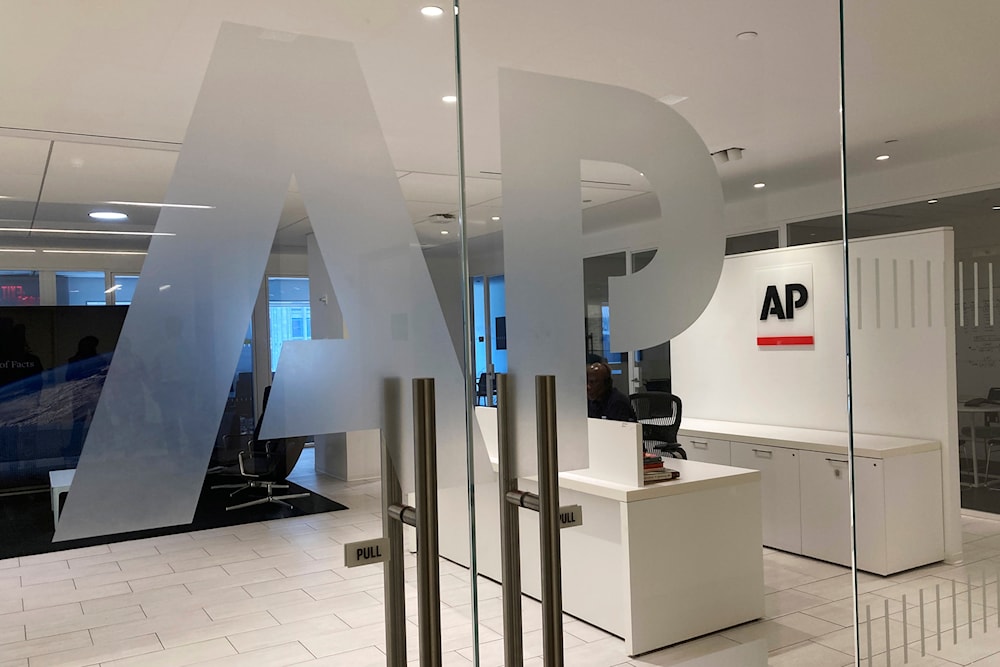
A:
x: 751, y: 242
x: 921, y: 183
x: 628, y: 146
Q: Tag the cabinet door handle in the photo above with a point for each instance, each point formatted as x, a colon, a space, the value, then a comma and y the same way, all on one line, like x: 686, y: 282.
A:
x: 837, y: 461
x: 699, y: 444
x: 763, y: 453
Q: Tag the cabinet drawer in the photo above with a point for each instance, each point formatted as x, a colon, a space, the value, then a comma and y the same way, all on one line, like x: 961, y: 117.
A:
x: 707, y: 450
x: 779, y: 488
x: 826, y: 528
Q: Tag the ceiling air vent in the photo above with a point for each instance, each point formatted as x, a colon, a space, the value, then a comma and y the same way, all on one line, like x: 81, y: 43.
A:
x: 728, y: 155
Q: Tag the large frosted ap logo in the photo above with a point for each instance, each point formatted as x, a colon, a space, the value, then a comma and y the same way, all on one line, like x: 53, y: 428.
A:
x: 142, y: 473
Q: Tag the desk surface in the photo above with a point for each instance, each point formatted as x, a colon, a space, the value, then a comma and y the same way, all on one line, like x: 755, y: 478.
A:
x: 832, y: 442
x: 695, y: 476
x: 983, y: 407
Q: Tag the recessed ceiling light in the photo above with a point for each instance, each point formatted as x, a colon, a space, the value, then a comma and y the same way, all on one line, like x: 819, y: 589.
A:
x: 881, y: 157
x: 996, y: 208
x: 932, y: 201
x: 155, y: 205
x: 431, y: 11
x: 164, y: 288
x: 759, y: 185
x: 495, y: 218
x: 746, y: 36
x: 108, y: 216
x: 444, y: 232
x: 450, y: 99
x: 4, y: 196
x: 46, y: 230
x: 17, y: 250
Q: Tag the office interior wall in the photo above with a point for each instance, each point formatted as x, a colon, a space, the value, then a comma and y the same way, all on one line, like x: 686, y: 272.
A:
x: 903, y: 344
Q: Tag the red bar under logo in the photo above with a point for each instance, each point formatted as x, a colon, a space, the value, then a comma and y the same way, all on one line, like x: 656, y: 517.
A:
x: 785, y: 340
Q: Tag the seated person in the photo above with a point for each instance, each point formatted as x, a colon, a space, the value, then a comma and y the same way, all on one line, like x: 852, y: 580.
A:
x: 604, y: 401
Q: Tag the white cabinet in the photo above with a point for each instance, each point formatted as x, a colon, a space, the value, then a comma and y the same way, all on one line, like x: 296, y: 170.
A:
x: 706, y: 450
x: 826, y: 510
x: 805, y: 499
x: 779, y: 484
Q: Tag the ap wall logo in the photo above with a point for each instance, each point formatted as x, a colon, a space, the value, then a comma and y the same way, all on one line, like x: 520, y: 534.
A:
x: 785, y: 306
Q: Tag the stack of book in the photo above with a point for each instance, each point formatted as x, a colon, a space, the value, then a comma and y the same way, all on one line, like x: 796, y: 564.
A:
x: 653, y: 470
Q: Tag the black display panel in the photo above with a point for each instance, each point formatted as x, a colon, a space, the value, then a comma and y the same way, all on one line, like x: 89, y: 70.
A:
x: 53, y: 362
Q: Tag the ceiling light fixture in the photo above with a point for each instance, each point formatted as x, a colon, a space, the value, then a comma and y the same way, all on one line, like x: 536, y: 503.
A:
x: 996, y: 208
x: 108, y: 216
x: 881, y: 158
x: 17, y: 250
x: 759, y: 185
x: 431, y: 10
x: 495, y: 218
x: 95, y: 252
x: 932, y: 201
x: 82, y: 231
x: 450, y: 99
x: 155, y: 205
x: 671, y: 99
x: 746, y: 36
x: 4, y: 196
x: 444, y: 232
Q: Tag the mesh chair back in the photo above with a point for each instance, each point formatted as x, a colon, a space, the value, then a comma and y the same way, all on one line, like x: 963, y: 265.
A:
x: 660, y: 415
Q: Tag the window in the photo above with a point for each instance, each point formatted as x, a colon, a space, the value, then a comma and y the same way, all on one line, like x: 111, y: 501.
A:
x: 124, y: 288
x: 80, y: 288
x: 288, y: 312
x: 19, y: 288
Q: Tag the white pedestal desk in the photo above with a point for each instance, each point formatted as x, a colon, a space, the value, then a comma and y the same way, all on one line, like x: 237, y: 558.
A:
x: 655, y: 564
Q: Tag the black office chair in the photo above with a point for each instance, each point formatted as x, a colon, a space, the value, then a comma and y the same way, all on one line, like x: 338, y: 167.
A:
x: 660, y: 416
x: 485, y: 389
x: 265, y: 464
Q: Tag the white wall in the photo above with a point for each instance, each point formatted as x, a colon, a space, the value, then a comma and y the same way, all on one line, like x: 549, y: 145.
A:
x: 903, y: 348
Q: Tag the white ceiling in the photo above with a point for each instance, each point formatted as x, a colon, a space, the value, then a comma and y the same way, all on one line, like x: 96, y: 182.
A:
x: 96, y: 98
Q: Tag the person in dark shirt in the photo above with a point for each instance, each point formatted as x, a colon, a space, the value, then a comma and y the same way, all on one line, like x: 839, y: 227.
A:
x: 604, y: 401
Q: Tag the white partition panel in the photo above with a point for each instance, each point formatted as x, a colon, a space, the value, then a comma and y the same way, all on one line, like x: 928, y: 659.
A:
x: 903, y: 339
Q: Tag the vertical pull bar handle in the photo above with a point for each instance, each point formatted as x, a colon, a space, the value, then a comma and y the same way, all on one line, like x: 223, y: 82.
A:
x: 548, y: 520
x: 510, y: 537
x: 428, y: 565
x: 392, y: 572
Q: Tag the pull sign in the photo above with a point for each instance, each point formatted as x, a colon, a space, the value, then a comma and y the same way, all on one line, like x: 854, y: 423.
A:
x: 366, y: 552
x: 570, y: 516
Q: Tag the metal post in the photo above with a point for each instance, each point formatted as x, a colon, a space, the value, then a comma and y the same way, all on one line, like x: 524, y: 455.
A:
x: 392, y: 569
x: 428, y: 565
x: 548, y: 520
x: 510, y: 537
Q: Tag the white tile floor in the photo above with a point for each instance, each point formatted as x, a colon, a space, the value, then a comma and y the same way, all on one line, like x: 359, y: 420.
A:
x: 277, y: 593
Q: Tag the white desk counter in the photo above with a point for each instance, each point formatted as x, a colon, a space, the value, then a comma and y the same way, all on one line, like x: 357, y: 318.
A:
x: 830, y: 442
x: 656, y: 564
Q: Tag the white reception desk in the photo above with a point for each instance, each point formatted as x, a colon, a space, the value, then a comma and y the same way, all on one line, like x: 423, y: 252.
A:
x: 654, y: 564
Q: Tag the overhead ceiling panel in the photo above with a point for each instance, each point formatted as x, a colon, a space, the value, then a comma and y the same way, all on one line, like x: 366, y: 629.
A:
x: 92, y: 174
x: 22, y: 164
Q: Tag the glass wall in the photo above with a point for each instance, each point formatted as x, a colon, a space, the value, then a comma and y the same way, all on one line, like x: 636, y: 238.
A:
x: 772, y: 220
x: 921, y: 183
